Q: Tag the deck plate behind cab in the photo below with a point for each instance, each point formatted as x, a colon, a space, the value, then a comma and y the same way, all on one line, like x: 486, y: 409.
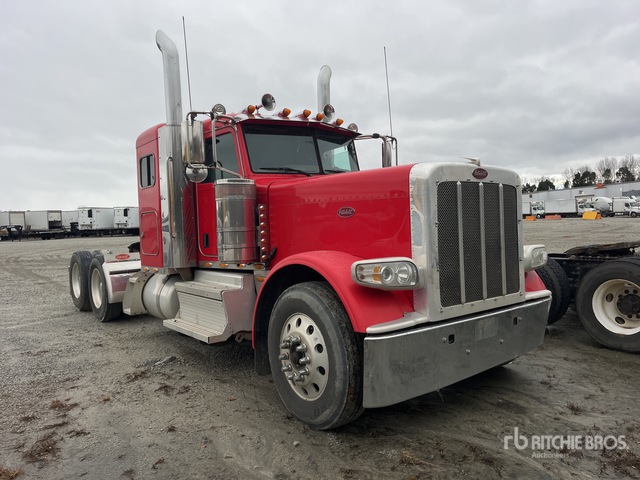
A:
x: 622, y: 248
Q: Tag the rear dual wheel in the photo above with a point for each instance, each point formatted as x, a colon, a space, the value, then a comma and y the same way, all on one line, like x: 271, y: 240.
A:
x: 98, y: 295
x: 556, y: 280
x: 88, y: 286
x: 79, y: 279
x: 608, y: 304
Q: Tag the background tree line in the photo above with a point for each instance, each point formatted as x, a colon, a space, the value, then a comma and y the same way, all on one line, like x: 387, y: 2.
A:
x: 608, y: 170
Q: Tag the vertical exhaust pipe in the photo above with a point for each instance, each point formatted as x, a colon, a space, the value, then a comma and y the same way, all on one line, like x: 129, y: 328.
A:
x: 171, y: 71
x: 176, y: 193
x: 324, y: 93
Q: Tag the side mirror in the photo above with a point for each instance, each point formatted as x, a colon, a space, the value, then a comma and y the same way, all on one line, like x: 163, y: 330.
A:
x: 193, y: 142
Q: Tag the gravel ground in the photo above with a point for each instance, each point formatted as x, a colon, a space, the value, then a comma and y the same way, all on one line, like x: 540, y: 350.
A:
x: 131, y: 399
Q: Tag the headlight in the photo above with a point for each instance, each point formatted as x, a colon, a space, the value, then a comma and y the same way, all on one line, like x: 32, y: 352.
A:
x: 386, y: 273
x: 534, y: 256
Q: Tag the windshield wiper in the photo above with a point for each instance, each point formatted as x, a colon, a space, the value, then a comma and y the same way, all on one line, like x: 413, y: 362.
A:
x: 335, y: 171
x: 286, y: 169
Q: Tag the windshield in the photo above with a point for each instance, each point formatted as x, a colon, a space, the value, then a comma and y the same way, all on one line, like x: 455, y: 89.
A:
x: 273, y: 148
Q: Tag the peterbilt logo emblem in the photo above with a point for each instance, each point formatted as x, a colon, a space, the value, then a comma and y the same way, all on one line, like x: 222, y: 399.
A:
x: 346, y: 212
x: 480, y: 173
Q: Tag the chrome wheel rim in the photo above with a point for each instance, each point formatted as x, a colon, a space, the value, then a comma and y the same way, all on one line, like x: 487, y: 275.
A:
x: 303, y: 357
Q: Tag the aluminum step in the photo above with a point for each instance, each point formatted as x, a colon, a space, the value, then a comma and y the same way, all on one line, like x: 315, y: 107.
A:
x: 214, y: 305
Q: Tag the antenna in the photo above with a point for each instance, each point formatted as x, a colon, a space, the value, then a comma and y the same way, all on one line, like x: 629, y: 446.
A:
x: 386, y: 71
x: 186, y: 57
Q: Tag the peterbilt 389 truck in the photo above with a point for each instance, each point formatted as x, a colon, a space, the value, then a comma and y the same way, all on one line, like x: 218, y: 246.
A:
x: 357, y: 289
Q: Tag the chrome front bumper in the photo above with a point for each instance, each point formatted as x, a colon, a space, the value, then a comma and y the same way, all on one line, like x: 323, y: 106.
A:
x: 409, y: 363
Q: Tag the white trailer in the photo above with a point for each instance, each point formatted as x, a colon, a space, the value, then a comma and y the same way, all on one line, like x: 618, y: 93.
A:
x: 125, y: 219
x: 4, y: 219
x: 16, y: 218
x: 69, y: 217
x: 95, y: 220
x: 43, y: 220
x: 568, y: 207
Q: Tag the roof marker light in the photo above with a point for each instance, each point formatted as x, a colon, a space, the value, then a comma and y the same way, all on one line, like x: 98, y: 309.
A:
x: 320, y: 117
x: 338, y: 121
x: 250, y: 110
x: 285, y: 113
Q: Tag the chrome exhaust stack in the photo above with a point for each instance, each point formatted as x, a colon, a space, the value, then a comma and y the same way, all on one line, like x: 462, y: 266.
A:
x: 176, y: 200
x: 324, y: 91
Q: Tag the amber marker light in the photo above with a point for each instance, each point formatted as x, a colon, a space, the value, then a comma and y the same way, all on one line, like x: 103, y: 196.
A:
x: 339, y: 121
x: 285, y: 112
x: 320, y: 117
x: 251, y: 109
x: 306, y: 113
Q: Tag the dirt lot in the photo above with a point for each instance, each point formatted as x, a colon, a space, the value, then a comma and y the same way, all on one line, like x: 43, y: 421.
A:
x: 131, y: 399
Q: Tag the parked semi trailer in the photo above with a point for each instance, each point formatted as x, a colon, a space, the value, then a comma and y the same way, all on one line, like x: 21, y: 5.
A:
x: 356, y: 288
x: 45, y: 224
x: 126, y: 220
x: 568, y: 207
x: 95, y: 220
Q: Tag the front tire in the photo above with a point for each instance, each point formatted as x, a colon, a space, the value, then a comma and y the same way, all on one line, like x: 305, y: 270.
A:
x: 315, y: 356
x: 608, y: 304
x: 102, y: 309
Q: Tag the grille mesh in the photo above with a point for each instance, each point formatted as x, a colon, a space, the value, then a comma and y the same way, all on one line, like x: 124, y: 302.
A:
x: 470, y: 214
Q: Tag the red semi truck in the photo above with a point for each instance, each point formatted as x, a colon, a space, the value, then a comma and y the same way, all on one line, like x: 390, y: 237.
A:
x: 356, y: 288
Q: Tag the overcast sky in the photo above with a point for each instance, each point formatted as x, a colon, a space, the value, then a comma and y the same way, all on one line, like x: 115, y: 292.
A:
x: 537, y: 86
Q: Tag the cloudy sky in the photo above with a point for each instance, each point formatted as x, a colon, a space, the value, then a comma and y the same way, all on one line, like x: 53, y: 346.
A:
x: 538, y: 86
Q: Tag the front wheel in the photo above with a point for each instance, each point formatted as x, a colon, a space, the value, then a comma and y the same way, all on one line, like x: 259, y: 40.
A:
x: 608, y: 304
x: 102, y: 309
x: 315, y: 356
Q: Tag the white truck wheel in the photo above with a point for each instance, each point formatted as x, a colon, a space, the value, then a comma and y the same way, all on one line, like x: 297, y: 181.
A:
x: 98, y: 296
x: 79, y: 279
x: 608, y: 304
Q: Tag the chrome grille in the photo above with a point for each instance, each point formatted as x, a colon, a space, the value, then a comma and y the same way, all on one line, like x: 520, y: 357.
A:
x: 477, y: 241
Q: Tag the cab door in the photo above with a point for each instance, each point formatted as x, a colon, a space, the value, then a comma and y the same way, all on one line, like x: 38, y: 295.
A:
x: 227, y: 154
